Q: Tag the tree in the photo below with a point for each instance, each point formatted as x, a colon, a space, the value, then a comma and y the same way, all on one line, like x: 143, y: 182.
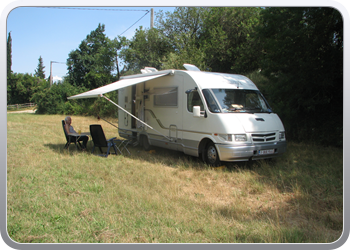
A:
x: 170, y: 44
x: 303, y: 60
x: 145, y: 49
x: 54, y: 100
x: 183, y: 29
x: 218, y: 39
x: 23, y: 87
x: 183, y: 26
x: 39, y: 72
x: 9, y: 54
x: 93, y: 63
x: 228, y: 39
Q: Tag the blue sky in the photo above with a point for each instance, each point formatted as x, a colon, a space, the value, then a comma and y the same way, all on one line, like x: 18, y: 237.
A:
x: 53, y: 33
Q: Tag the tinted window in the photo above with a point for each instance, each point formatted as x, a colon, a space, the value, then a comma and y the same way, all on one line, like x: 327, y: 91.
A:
x: 193, y: 99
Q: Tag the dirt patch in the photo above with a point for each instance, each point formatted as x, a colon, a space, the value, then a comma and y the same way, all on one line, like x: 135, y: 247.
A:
x: 22, y: 111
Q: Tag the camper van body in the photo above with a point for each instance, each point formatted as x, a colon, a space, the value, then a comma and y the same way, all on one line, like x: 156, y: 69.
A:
x: 216, y: 116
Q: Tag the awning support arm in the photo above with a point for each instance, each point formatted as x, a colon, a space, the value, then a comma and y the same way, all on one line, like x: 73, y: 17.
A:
x: 134, y: 116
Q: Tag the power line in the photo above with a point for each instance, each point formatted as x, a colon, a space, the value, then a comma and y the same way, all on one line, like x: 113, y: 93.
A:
x: 79, y: 8
x: 135, y: 23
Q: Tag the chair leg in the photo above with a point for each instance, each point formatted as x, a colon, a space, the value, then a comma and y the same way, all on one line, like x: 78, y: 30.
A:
x: 93, y: 148
x: 76, y: 145
x: 109, y: 148
x: 125, y: 146
x: 115, y: 148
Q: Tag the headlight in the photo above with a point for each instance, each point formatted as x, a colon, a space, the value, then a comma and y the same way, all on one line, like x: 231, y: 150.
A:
x: 226, y: 137
x: 282, y: 135
x: 241, y: 137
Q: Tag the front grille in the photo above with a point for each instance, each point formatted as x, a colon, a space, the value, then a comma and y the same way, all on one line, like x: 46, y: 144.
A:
x: 264, y: 137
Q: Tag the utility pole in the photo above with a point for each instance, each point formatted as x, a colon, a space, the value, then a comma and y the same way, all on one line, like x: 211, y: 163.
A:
x: 152, y: 13
x: 116, y: 61
x: 51, y: 71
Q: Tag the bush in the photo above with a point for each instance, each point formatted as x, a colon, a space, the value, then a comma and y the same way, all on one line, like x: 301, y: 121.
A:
x: 54, y: 100
x: 21, y: 87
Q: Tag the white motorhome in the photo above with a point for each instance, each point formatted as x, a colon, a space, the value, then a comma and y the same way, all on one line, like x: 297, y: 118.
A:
x: 215, y: 116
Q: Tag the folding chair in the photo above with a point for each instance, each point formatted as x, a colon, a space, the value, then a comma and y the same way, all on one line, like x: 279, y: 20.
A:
x: 69, y: 138
x: 99, y: 139
x: 123, y: 145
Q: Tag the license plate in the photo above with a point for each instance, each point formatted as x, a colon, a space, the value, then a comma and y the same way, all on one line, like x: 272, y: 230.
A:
x: 266, y: 152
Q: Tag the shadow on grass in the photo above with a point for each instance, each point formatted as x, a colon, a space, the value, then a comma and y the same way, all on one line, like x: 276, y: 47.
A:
x: 72, y: 149
x: 167, y: 157
x: 177, y: 159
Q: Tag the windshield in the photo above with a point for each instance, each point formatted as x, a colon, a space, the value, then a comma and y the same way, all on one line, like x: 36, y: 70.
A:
x: 236, y: 100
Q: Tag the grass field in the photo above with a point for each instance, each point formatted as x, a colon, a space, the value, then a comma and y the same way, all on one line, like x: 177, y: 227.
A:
x: 56, y: 195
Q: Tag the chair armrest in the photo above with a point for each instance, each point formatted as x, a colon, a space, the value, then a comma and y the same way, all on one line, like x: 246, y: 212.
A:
x: 112, y: 139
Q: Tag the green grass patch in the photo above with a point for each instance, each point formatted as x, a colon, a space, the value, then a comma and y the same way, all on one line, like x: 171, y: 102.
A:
x: 56, y: 195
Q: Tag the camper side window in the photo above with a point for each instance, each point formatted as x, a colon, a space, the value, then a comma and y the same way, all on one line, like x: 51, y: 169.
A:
x: 165, y: 97
x: 193, y: 99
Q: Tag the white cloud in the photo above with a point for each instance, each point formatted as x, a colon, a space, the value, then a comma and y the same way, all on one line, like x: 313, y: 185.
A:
x: 56, y: 78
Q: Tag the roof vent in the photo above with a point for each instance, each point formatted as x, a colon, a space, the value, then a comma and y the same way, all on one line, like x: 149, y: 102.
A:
x: 148, y: 70
x: 191, y: 67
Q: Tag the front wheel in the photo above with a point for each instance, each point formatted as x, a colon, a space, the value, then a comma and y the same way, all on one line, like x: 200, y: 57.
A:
x: 211, y: 156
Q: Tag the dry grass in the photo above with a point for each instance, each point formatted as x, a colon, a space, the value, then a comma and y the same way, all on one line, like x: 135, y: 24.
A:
x: 55, y: 195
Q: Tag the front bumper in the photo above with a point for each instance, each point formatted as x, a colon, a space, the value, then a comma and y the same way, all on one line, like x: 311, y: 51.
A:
x: 229, y: 152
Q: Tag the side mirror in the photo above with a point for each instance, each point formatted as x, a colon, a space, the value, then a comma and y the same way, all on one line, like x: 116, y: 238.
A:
x: 196, y: 111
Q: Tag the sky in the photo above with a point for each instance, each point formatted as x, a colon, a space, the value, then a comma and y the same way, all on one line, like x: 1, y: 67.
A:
x: 53, y: 32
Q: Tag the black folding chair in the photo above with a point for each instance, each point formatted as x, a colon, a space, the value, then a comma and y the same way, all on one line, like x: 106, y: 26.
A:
x: 100, y: 141
x: 70, y: 138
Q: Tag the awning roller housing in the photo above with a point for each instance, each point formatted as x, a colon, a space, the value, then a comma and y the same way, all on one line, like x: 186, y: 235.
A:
x: 124, y: 82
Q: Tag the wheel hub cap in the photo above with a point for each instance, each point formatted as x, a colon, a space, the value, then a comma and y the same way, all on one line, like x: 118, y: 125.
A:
x: 212, y: 154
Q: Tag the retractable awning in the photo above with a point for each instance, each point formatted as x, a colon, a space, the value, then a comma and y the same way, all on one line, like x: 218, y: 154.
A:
x: 125, y: 82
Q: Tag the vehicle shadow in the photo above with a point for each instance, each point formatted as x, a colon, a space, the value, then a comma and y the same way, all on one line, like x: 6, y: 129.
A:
x: 166, y: 157
x: 176, y: 159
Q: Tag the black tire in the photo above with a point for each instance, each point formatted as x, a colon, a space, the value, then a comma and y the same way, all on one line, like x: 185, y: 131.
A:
x: 145, y: 144
x: 211, y: 155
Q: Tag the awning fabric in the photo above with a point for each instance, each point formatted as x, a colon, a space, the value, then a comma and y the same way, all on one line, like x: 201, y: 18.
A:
x: 117, y: 85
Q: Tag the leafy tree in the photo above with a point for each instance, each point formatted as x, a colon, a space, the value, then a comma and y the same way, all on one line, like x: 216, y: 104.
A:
x: 303, y: 60
x: 182, y: 29
x: 183, y: 26
x: 219, y: 39
x: 93, y: 63
x: 146, y: 48
x: 228, y: 39
x: 90, y: 66
x: 170, y: 44
x: 54, y: 100
x: 23, y: 87
x: 39, y: 72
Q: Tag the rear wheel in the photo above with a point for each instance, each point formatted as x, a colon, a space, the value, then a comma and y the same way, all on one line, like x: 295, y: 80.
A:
x: 211, y: 156
x: 145, y: 144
